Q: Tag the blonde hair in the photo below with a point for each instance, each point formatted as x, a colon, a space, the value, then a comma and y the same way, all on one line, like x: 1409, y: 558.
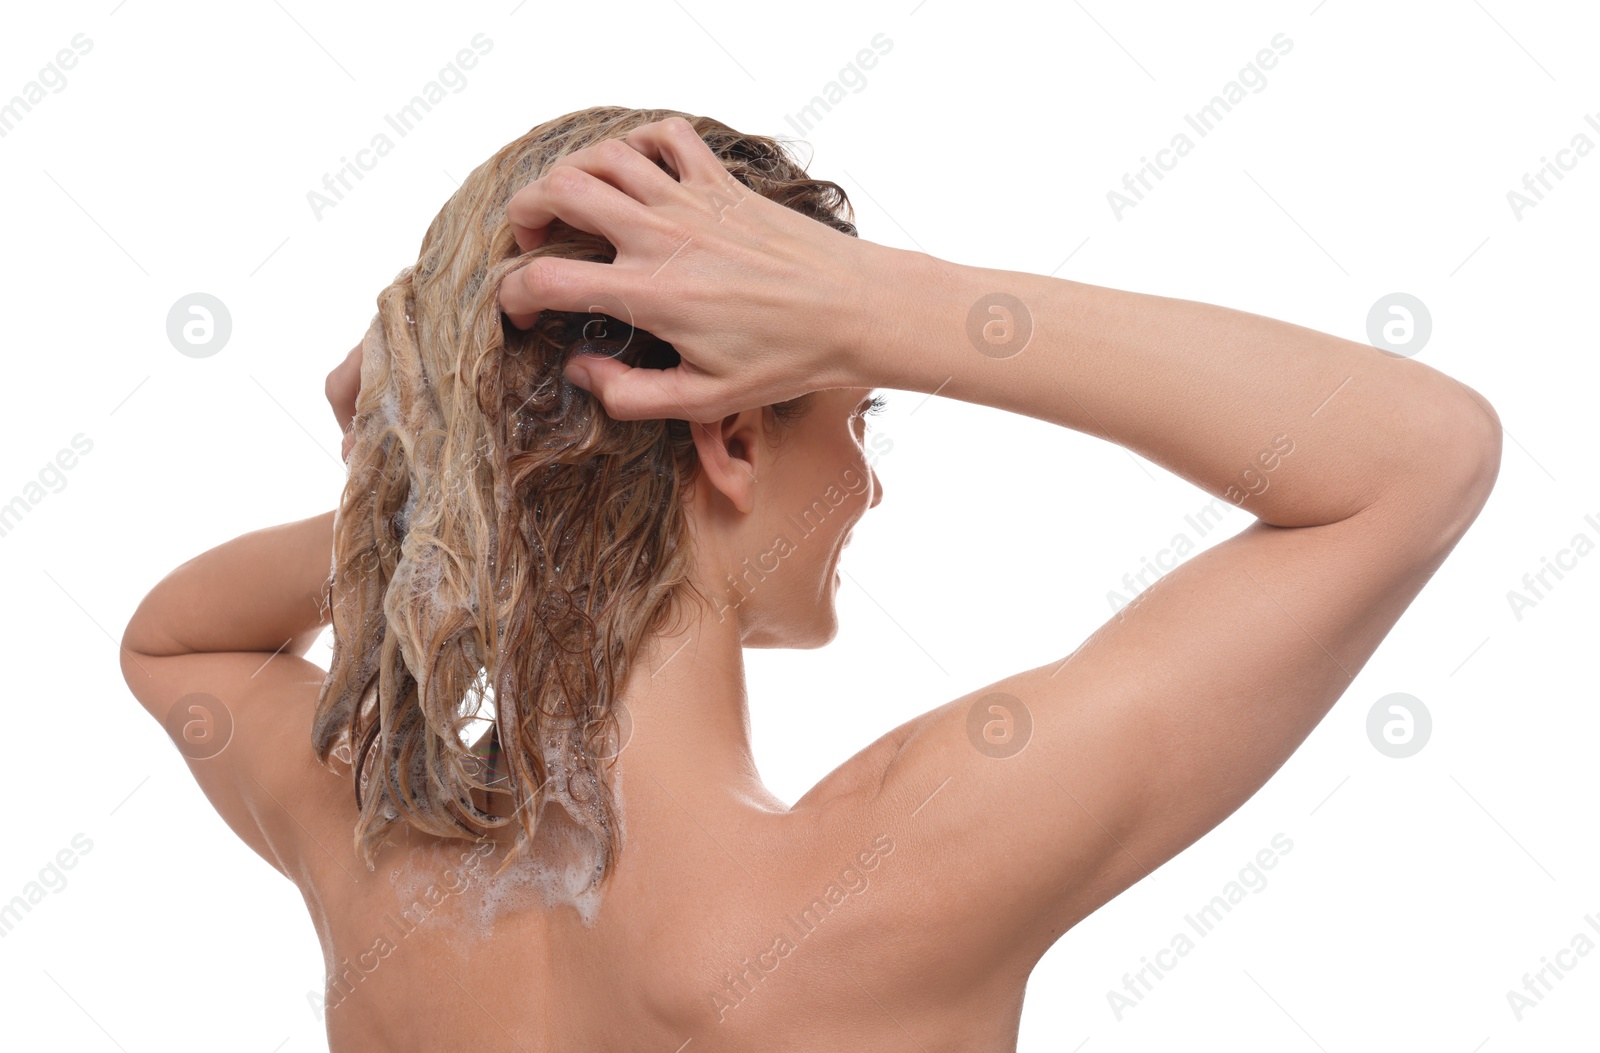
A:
x: 500, y: 536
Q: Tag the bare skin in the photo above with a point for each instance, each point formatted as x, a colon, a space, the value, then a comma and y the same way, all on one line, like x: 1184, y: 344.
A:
x: 944, y: 871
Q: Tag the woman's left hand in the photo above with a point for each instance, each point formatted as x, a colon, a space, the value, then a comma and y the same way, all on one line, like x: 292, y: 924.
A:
x: 343, y: 384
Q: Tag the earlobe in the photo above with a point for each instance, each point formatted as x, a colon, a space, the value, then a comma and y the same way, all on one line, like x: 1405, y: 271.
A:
x: 728, y: 450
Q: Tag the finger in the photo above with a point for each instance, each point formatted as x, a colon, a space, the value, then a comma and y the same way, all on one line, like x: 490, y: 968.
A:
x: 342, y: 386
x: 625, y: 168
x: 624, y: 164
x: 639, y: 393
x: 577, y: 198
x: 675, y: 141
x: 552, y: 283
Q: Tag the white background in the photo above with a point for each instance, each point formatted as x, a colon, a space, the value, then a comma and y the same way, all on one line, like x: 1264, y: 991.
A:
x: 1377, y: 159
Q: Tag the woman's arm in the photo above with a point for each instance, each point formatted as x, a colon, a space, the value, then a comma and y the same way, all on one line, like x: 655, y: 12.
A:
x: 1020, y: 808
x: 1298, y: 427
x: 716, y: 270
x: 215, y: 654
x: 262, y: 591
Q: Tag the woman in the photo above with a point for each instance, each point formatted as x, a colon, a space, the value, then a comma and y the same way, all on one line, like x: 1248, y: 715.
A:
x: 608, y: 431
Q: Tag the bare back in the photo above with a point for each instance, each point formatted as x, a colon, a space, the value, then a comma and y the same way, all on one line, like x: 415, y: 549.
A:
x: 761, y: 930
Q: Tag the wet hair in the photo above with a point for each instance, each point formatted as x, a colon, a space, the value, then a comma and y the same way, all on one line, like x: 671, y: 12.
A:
x: 500, y: 539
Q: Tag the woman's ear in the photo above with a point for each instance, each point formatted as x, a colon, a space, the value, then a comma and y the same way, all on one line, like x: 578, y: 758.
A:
x: 731, y: 452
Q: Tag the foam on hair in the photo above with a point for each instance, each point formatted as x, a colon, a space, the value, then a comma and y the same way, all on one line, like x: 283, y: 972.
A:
x: 500, y: 537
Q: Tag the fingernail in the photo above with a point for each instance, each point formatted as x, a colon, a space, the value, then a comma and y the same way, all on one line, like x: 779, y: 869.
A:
x: 578, y: 374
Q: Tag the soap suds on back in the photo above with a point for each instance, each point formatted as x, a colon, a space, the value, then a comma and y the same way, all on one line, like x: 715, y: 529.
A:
x: 561, y: 868
x: 562, y: 865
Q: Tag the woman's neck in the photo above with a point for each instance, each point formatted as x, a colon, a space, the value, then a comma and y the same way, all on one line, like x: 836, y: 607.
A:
x: 682, y: 723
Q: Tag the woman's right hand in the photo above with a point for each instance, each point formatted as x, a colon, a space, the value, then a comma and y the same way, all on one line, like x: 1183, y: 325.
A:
x: 763, y: 304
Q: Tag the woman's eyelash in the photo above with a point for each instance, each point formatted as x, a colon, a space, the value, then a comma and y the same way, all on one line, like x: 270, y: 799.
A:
x: 878, y: 404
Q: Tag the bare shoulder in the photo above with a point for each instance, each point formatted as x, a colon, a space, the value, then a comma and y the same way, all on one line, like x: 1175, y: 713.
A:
x: 308, y: 810
x: 1016, y: 810
x: 242, y: 724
